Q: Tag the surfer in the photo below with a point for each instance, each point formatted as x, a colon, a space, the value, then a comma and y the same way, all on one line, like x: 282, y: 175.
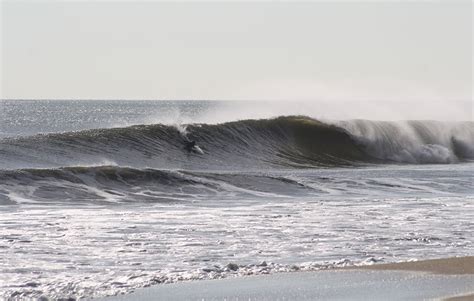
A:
x: 189, y: 145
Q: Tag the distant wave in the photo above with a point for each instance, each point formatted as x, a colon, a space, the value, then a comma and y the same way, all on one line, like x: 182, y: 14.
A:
x: 283, y: 142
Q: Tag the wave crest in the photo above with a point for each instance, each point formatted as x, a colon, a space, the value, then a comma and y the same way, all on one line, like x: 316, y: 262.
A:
x: 415, y: 141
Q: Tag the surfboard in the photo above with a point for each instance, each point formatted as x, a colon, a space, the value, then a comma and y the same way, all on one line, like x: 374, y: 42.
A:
x: 198, y: 150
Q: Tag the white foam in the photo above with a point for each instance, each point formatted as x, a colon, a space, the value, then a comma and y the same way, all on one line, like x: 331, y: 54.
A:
x: 411, y: 141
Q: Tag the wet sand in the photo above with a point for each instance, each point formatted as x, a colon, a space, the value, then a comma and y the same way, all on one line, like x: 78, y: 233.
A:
x: 445, y: 266
x: 448, y: 279
x: 469, y: 297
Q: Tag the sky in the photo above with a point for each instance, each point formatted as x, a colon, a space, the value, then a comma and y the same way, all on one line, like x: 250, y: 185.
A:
x: 415, y: 50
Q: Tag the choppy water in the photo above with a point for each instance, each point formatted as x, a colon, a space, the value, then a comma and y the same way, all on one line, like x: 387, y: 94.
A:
x: 100, y: 197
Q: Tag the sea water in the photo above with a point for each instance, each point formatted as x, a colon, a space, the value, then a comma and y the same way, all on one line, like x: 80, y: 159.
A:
x: 101, y: 197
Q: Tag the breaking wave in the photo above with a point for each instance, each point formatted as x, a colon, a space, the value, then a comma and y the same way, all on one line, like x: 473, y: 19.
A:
x: 415, y: 142
x: 283, y: 142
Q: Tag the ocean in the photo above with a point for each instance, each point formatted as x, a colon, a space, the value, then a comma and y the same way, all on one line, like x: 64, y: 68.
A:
x: 99, y: 198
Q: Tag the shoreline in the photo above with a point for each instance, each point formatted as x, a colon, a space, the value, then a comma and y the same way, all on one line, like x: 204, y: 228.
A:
x: 440, y: 279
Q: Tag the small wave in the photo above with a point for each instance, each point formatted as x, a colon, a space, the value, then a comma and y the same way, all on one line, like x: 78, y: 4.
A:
x: 108, y: 185
x: 113, y: 184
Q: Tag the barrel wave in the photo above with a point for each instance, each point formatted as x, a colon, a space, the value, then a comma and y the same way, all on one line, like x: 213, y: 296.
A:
x: 283, y: 142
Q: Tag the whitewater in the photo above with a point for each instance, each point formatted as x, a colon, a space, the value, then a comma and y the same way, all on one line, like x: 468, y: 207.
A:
x: 99, y: 198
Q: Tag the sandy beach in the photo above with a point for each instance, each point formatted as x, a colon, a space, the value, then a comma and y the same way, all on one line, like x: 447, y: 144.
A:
x: 438, y: 279
x: 445, y: 266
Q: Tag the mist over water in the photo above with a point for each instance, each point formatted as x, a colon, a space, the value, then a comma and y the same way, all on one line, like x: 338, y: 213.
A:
x: 342, y: 110
x: 28, y: 117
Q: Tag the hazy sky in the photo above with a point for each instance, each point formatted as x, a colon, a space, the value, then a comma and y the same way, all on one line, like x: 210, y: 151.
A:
x: 239, y: 50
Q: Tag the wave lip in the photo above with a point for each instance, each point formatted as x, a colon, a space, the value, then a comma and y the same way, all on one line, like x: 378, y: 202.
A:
x: 283, y: 142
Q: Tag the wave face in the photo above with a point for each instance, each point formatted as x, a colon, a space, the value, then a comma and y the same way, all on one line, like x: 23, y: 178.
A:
x: 283, y: 142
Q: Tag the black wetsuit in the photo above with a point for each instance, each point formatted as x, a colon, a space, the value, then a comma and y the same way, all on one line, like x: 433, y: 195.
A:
x: 189, y: 145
